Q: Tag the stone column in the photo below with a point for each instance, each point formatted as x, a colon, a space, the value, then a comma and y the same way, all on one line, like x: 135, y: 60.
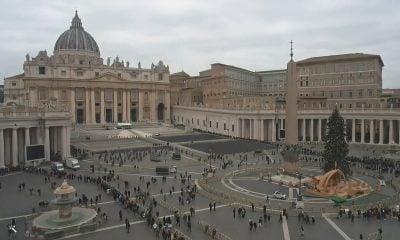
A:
x: 92, y: 106
x: 47, y: 143
x: 353, y: 130
x: 390, y: 131
x: 371, y: 131
x: 239, y: 128
x: 381, y: 131
x: 124, y: 105
x: 153, y: 107
x: 68, y: 143
x: 87, y: 105
x: 273, y: 132
x: 2, y: 161
x: 312, y: 130
x: 73, y: 107
x: 251, y: 128
x: 115, y: 108
x: 27, y: 137
x: 63, y: 142
x: 362, y: 131
x: 128, y: 105
x: 14, y: 147
x: 167, y: 107
x: 262, y: 133
x: 303, y: 130
x: 102, y: 120
x: 243, y: 128
x: 140, y: 110
x: 319, y: 130
x: 399, y: 129
x: 256, y: 129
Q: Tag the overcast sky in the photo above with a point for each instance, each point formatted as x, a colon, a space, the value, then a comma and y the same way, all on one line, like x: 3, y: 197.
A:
x: 190, y: 35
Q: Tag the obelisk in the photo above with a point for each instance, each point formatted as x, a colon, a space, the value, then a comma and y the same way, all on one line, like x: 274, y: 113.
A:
x: 291, y: 137
x: 290, y: 157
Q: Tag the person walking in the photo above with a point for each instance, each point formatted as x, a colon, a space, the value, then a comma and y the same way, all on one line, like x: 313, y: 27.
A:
x: 234, y: 212
x: 127, y: 225
x: 189, y: 225
x: 214, y: 206
x: 120, y: 215
x: 210, y: 206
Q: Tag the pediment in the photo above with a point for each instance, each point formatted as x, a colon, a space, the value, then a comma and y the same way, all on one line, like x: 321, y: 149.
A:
x: 109, y: 77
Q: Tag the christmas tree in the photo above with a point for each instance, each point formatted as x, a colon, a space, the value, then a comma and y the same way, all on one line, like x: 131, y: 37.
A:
x: 336, y: 147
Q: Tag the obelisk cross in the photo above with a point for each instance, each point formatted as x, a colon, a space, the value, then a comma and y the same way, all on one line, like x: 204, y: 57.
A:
x: 291, y: 50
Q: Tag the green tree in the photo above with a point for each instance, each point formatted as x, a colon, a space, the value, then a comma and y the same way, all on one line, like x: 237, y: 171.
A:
x: 336, y: 147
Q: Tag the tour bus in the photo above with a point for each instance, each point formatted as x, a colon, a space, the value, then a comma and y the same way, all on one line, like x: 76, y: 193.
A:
x: 127, y: 125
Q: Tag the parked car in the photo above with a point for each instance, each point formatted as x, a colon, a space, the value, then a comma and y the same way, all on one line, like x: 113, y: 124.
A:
x: 279, y: 195
x: 156, y: 134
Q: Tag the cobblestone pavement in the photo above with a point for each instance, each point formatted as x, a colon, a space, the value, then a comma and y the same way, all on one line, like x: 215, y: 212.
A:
x: 18, y: 204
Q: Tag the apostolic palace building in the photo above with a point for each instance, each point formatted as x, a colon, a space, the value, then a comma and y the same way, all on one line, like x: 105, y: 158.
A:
x: 76, y: 85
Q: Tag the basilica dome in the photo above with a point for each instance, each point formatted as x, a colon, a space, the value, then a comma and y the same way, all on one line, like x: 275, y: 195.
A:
x: 77, y: 39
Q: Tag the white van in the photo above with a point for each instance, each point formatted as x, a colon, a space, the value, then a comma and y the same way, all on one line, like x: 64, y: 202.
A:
x: 72, y: 163
x: 57, y: 167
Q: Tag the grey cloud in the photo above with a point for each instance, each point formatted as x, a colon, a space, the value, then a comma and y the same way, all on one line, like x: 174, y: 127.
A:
x: 190, y: 34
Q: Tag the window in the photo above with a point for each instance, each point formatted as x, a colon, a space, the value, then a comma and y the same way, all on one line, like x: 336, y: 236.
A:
x: 306, y: 83
x: 146, y: 77
x: 160, y: 76
x: 63, y: 73
x: 42, y: 70
x: 43, y: 94
x: 210, y: 123
x: 79, y: 74
x: 233, y: 128
x: 360, y: 93
x: 97, y: 74
x: 370, y: 93
x: 119, y: 74
x: 224, y: 126
x: 216, y: 125
x: 80, y: 62
x: 350, y: 95
x: 14, y: 84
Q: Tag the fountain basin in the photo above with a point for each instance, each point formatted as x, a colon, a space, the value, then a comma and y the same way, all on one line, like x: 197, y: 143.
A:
x: 50, y: 220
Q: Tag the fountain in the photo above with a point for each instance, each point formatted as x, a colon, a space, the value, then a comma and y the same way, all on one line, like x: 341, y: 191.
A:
x: 67, y: 219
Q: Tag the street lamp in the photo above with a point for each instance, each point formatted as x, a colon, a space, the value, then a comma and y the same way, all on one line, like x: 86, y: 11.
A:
x: 300, y: 176
x: 210, y: 151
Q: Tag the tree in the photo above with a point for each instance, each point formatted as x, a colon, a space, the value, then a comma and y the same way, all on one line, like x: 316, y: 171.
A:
x: 336, y: 147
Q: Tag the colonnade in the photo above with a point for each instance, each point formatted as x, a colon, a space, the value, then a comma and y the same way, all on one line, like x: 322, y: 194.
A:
x: 56, y: 140
x: 372, y: 131
x: 125, y: 105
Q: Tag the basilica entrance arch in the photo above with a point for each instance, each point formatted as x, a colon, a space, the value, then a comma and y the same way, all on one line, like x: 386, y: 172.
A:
x: 160, y: 112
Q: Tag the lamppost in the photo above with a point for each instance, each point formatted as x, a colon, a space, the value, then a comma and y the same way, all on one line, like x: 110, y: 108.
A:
x: 300, y: 176
x: 210, y: 155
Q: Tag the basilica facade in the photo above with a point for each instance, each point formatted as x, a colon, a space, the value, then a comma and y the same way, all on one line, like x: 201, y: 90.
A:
x: 95, y: 91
